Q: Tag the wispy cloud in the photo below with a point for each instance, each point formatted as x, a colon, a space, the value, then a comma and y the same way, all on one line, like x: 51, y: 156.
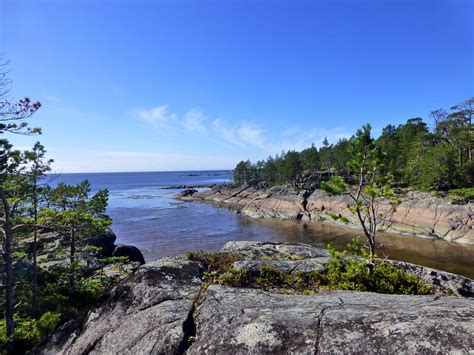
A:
x: 252, y: 134
x: 243, y: 133
x: 226, y: 133
x: 155, y: 115
x: 194, y: 120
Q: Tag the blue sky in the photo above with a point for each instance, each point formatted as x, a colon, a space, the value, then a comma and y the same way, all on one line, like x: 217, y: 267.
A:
x: 176, y: 85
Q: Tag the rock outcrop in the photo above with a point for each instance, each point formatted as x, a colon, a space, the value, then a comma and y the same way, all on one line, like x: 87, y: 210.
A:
x: 248, y: 321
x: 129, y: 251
x: 49, y: 242
x: 419, y: 214
x: 147, y: 313
x: 163, y: 309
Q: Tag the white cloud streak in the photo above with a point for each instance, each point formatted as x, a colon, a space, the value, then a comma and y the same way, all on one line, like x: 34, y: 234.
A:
x: 155, y: 115
x: 194, y: 120
x: 243, y: 134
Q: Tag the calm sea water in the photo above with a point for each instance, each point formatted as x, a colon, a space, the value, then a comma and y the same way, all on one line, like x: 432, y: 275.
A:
x: 146, y: 215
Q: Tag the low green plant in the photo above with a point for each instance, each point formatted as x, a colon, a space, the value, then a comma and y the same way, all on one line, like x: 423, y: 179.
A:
x: 354, y: 273
x: 459, y: 196
x: 343, y: 271
x: 30, y: 332
x: 338, y: 217
x: 214, y: 262
x: 268, y: 278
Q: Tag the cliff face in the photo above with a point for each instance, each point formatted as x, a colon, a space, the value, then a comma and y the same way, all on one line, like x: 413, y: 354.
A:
x: 419, y: 214
x: 164, y: 309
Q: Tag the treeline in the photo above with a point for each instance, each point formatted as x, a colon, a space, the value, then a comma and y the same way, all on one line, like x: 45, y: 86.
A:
x: 51, y: 273
x: 435, y: 155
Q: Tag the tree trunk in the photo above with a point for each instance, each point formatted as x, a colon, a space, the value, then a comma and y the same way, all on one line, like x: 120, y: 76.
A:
x: 7, y: 260
x: 372, y: 249
x: 72, y: 259
x: 9, y: 286
x: 34, y: 305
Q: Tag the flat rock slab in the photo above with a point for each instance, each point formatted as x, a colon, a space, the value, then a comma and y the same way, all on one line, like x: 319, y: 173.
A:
x: 245, y: 321
x: 285, y: 266
x: 148, y: 313
x: 259, y: 250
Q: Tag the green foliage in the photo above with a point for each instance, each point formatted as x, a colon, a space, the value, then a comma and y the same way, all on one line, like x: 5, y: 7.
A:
x: 355, y: 275
x: 461, y: 195
x: 48, y: 323
x: 412, y: 154
x: 214, y: 262
x: 342, y: 272
x: 334, y: 186
x: 338, y: 217
x: 31, y: 332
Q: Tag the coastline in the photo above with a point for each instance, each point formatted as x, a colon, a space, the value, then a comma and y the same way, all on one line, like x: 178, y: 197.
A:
x: 419, y: 214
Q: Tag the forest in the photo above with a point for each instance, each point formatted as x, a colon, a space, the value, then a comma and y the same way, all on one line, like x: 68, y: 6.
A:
x: 436, y: 154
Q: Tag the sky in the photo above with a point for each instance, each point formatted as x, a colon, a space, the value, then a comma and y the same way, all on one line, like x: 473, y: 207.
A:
x: 195, y: 85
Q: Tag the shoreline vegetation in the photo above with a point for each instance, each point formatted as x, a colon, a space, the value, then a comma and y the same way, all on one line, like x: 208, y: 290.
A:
x: 435, y: 156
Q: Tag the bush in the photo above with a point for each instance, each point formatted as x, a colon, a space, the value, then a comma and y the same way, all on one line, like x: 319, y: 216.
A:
x: 461, y: 195
x: 29, y: 333
x: 342, y: 272
x: 48, y: 323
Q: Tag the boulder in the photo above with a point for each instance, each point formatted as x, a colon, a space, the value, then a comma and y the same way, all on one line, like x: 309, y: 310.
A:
x: 257, y: 250
x: 188, y: 192
x: 132, y: 253
x: 106, y: 242
x: 285, y: 266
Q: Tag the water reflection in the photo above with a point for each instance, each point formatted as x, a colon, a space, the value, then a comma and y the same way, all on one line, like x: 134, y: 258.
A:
x: 172, y: 231
x: 453, y: 257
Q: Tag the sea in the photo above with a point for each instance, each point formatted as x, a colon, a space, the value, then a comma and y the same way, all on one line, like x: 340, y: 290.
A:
x: 146, y: 214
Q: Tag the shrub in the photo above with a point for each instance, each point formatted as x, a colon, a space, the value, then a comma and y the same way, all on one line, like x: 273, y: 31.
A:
x: 48, y: 323
x: 30, y: 332
x: 342, y: 272
x: 214, y: 262
x: 459, y: 196
x: 338, y: 217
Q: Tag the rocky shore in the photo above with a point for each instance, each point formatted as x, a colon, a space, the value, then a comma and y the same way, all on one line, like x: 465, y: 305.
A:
x: 106, y: 244
x: 166, y: 308
x: 419, y: 214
